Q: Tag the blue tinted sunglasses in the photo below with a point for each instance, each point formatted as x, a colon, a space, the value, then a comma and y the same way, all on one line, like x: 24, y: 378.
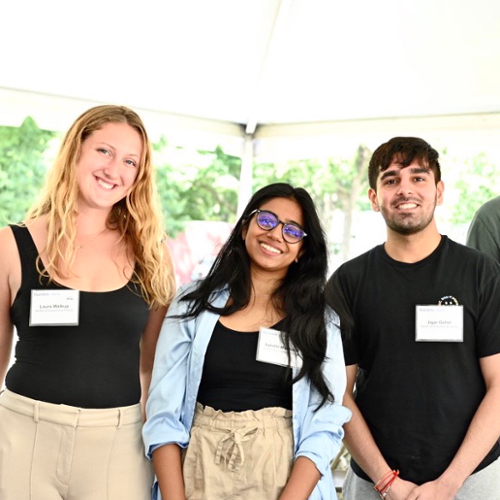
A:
x: 291, y: 231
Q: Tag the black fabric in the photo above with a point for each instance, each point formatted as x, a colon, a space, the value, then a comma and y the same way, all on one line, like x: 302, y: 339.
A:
x: 418, y: 398
x: 92, y: 365
x: 233, y: 380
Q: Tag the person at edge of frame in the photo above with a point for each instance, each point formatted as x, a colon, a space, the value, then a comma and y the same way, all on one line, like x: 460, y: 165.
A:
x: 484, y: 230
x: 86, y: 281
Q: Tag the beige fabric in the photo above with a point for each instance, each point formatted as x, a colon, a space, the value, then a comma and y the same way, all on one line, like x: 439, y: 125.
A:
x: 58, y: 452
x: 238, y: 455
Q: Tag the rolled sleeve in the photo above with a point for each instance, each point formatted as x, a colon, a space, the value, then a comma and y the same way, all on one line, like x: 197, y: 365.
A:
x: 164, y: 408
x: 322, y: 430
x: 323, y: 435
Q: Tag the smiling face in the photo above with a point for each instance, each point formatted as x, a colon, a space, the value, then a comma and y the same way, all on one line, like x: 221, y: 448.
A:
x: 268, y: 251
x: 407, y: 197
x: 108, y: 165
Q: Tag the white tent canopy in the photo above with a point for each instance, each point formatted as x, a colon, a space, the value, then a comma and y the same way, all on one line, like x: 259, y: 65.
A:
x: 263, y: 69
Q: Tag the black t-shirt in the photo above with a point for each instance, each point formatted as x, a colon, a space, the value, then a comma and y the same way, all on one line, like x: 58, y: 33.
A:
x: 92, y: 365
x: 232, y: 378
x: 418, y: 398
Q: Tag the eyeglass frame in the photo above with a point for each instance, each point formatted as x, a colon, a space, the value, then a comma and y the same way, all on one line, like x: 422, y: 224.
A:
x: 283, y: 224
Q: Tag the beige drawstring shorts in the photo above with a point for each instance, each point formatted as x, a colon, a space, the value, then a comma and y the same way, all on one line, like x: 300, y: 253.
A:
x: 238, y: 455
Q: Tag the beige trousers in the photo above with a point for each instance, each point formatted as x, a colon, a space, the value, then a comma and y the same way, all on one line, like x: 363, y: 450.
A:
x: 238, y: 455
x: 58, y: 452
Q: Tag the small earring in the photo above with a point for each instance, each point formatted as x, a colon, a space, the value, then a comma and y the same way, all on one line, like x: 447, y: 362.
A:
x: 297, y: 260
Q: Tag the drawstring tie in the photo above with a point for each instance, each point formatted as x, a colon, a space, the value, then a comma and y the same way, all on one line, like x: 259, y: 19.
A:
x: 238, y: 436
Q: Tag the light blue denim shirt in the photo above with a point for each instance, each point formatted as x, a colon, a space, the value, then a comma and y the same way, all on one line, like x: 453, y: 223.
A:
x: 178, y: 366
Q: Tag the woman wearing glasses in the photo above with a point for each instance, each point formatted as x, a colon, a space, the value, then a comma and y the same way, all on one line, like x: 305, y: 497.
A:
x: 249, y: 374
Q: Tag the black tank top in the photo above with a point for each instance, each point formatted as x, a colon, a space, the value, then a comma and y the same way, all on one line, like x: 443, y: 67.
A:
x: 92, y: 365
x: 233, y: 380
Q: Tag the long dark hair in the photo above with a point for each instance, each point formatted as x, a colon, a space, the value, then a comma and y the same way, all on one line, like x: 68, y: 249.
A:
x: 299, y: 295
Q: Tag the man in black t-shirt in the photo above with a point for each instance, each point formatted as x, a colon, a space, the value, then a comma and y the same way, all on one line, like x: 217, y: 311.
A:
x: 426, y: 413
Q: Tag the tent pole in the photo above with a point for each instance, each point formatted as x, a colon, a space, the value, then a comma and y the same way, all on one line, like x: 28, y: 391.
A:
x: 246, y: 174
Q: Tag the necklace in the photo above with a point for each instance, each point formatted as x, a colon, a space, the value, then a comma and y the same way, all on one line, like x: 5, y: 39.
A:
x: 88, y: 242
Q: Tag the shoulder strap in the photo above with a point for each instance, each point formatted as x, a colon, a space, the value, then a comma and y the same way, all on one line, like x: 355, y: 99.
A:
x: 28, y: 252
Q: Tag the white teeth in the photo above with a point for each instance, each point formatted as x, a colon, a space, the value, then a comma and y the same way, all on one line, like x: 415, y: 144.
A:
x: 105, y: 185
x: 270, y: 248
x: 405, y: 206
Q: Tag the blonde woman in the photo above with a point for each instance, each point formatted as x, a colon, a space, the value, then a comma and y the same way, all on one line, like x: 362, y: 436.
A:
x: 86, y: 281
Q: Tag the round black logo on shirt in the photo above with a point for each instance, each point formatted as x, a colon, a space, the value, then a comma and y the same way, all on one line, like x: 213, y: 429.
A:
x: 448, y: 300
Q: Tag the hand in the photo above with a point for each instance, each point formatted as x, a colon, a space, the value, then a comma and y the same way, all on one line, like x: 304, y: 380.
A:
x: 400, y: 489
x: 433, y: 490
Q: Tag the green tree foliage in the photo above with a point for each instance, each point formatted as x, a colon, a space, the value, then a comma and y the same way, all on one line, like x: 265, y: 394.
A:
x: 168, y: 180
x: 203, y: 186
x: 22, y: 168
x: 479, y: 182
x: 334, y: 184
x: 213, y: 191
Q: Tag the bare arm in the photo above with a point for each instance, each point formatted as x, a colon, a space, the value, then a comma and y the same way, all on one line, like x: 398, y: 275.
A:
x: 361, y: 445
x: 10, y: 277
x: 148, y: 347
x: 302, y: 480
x: 482, y: 434
x: 6, y: 340
x: 168, y: 468
x: 150, y: 338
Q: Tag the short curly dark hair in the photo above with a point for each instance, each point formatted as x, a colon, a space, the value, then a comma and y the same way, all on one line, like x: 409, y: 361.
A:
x: 403, y: 150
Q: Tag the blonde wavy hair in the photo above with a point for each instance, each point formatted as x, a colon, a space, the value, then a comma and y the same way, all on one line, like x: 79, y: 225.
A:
x: 137, y: 216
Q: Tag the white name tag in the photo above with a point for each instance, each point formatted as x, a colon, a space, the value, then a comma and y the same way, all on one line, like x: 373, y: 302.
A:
x: 54, y: 307
x: 439, y: 324
x: 271, y: 349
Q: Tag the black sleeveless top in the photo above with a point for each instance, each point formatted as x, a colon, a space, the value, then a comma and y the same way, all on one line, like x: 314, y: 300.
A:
x: 92, y: 365
x: 232, y: 378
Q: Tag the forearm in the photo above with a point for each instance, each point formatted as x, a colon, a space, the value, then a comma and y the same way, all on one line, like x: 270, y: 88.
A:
x: 302, y: 480
x: 168, y: 468
x: 4, y: 363
x: 5, y: 354
x: 358, y: 437
x: 10, y: 280
x: 361, y: 445
x: 145, y: 377
x: 149, y: 340
x: 482, y: 434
